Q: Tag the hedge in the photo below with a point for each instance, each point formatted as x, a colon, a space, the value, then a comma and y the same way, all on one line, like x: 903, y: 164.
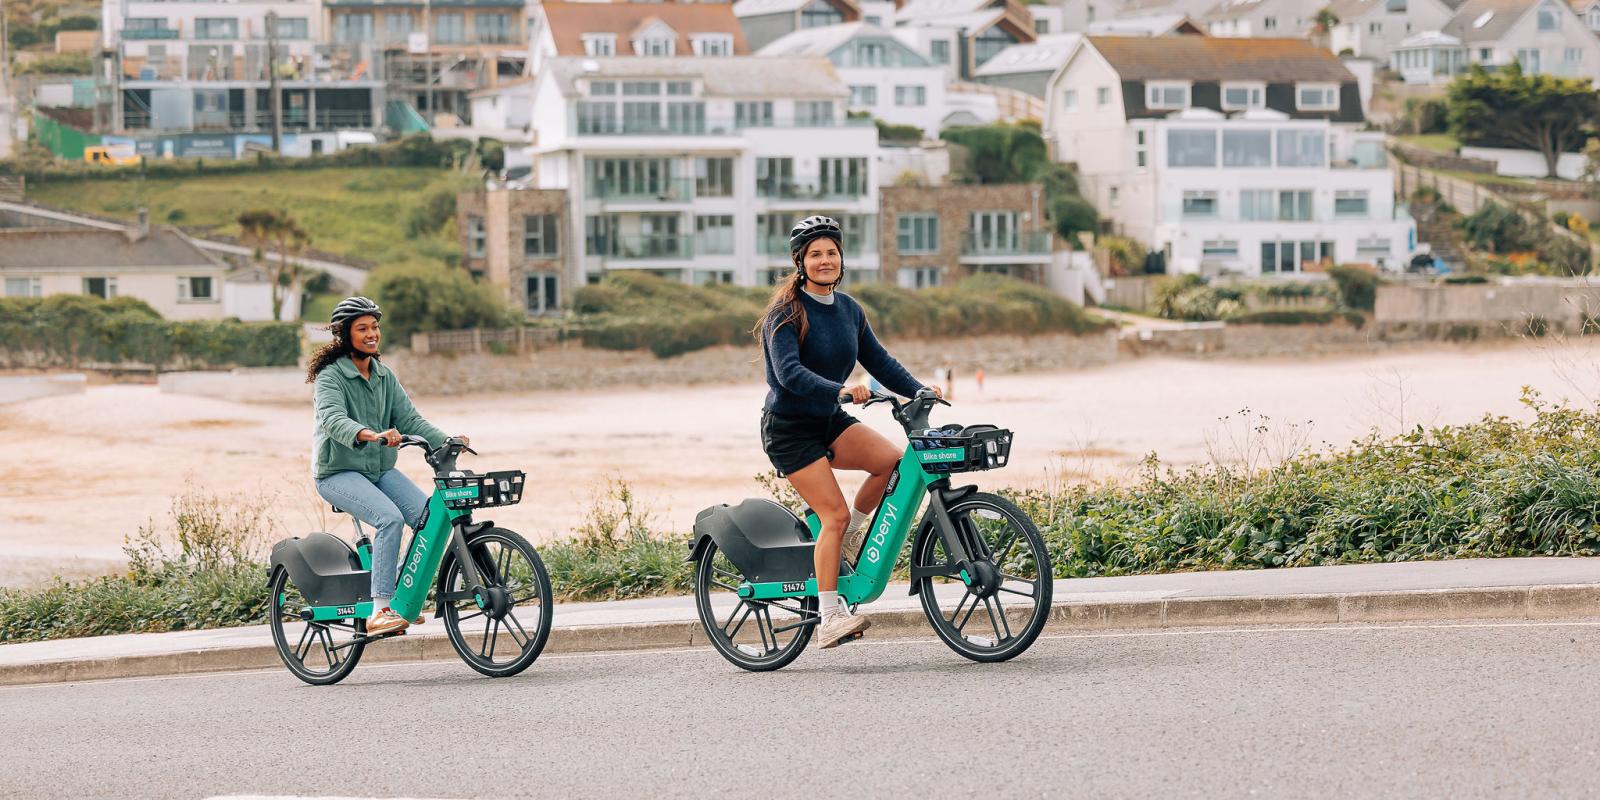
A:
x: 75, y: 330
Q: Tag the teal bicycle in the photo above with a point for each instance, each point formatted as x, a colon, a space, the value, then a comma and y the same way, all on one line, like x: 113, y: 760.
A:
x: 479, y: 576
x: 972, y: 552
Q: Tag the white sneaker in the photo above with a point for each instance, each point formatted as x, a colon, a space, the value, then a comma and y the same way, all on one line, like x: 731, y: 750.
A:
x: 839, y: 627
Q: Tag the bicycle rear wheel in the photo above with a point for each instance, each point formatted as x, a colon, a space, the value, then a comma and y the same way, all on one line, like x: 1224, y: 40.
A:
x: 504, y: 634
x: 318, y: 653
x: 757, y: 635
x: 1011, y: 586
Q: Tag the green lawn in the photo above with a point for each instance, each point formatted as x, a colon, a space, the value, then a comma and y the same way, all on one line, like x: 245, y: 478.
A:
x: 354, y: 211
x: 1437, y: 142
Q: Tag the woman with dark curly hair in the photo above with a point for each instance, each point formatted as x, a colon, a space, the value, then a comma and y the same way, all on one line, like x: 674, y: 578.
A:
x: 361, y: 414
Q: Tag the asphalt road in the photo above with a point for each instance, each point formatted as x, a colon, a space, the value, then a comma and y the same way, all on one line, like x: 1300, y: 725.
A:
x: 1448, y: 710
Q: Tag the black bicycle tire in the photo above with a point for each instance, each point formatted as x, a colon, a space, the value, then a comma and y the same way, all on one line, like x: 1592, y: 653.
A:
x: 540, y: 637
x: 721, y: 643
x: 280, y: 577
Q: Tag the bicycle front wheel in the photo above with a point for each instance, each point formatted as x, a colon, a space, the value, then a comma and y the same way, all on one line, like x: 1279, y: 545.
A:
x: 502, y: 633
x: 1000, y: 613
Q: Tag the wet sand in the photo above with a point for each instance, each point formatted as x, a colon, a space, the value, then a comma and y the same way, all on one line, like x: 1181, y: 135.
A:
x: 89, y: 469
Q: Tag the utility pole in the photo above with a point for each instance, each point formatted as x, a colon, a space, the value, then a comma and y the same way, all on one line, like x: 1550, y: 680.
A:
x: 427, y: 31
x: 272, y: 83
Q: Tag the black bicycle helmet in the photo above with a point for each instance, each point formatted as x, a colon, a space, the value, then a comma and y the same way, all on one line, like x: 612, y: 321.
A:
x: 352, y: 307
x: 810, y: 229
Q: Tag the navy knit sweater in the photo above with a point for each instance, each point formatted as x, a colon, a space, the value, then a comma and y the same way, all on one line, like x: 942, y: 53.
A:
x: 806, y: 380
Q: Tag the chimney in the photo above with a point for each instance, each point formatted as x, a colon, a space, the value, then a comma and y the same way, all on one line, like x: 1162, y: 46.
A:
x: 144, y: 224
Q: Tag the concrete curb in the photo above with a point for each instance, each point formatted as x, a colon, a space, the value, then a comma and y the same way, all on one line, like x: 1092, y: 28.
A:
x: 1516, y: 602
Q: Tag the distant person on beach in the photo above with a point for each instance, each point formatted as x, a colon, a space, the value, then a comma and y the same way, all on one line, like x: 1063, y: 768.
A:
x: 361, y: 414
x: 978, y: 376
x: 812, y: 337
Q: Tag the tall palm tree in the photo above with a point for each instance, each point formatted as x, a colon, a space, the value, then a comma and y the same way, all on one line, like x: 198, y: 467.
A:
x: 261, y: 228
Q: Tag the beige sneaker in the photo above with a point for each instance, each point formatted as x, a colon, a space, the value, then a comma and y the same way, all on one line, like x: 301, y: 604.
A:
x: 385, y: 621
x: 839, y: 627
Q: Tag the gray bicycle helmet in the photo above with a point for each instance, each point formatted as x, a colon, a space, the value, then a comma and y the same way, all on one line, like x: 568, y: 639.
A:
x: 809, y: 230
x: 352, y: 307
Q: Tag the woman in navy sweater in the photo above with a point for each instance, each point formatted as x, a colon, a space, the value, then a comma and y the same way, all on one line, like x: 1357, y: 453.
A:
x: 812, y: 337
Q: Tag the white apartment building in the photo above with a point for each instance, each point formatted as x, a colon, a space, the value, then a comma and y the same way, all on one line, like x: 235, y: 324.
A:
x: 1547, y: 37
x: 1246, y: 18
x: 1228, y: 155
x: 886, y: 78
x: 696, y: 169
x: 1374, y: 28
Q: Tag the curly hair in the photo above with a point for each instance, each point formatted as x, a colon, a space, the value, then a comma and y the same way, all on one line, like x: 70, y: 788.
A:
x: 327, y: 354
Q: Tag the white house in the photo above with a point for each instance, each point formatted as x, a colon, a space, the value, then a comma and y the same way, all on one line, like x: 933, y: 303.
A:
x: 964, y: 34
x: 1241, y: 155
x: 1372, y: 28
x: 159, y: 265
x: 696, y: 168
x: 1154, y: 24
x: 1246, y: 18
x: 705, y: 30
x: 1589, y: 10
x: 1547, y: 37
x: 887, y: 79
x: 1029, y: 67
x: 766, y: 21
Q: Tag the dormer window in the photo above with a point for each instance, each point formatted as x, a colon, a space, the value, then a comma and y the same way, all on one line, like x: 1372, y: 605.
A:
x: 1548, y: 19
x: 655, y: 46
x: 1316, y: 97
x: 1166, y: 95
x: 712, y: 44
x: 600, y: 45
x: 1240, y: 96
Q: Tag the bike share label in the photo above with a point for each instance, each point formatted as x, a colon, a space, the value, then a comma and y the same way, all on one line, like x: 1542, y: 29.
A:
x: 461, y: 493
x: 941, y: 456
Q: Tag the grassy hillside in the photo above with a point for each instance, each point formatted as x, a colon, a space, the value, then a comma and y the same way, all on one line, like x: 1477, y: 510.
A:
x: 362, y: 212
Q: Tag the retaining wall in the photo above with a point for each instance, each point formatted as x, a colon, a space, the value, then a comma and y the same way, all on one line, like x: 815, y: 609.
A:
x: 28, y: 387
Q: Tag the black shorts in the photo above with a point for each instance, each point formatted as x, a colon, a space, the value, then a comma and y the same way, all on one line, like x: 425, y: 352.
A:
x: 793, y: 443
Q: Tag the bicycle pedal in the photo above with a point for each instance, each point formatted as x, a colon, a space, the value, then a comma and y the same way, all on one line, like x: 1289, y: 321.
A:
x: 852, y: 637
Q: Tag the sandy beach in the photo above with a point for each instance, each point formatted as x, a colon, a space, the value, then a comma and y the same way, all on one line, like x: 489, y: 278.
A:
x: 95, y: 466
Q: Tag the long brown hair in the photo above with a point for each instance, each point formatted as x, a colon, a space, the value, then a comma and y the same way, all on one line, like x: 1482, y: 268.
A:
x: 784, y: 307
x: 324, y: 356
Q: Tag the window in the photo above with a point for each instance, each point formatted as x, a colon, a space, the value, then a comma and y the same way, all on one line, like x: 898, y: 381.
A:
x: 1572, y: 55
x: 1350, y: 203
x: 1243, y: 95
x: 772, y: 234
x: 543, y: 291
x: 602, y: 88
x: 917, y: 234
x: 713, y: 235
x: 869, y: 54
x: 396, y: 26
x: 1192, y: 148
x: 993, y: 231
x: 1102, y: 96
x: 1271, y: 205
x: 863, y: 95
x: 1140, y: 157
x: 713, y: 177
x: 1395, y: 6
x: 540, y: 237
x: 688, y: 118
x: 990, y: 43
x: 818, y: 13
x: 450, y: 28
x: 1485, y: 54
x: 228, y: 27
x: 1593, y: 18
x: 1219, y: 248
x: 1269, y: 23
x: 631, y: 177
x: 910, y: 95
x: 1317, y: 97
x: 600, y: 234
x: 641, y: 89
x: 1372, y: 247
x: 1529, y: 59
x: 1246, y: 148
x: 103, y: 288
x: 1548, y: 20
x: 919, y: 277
x: 1069, y: 100
x: 874, y: 20
x: 195, y: 289
x: 600, y: 45
x: 1112, y: 195
x: 813, y: 112
x: 1041, y: 26
x: 775, y: 177
x: 641, y: 116
x: 597, y: 117
x: 1199, y: 203
x: 1302, y: 149
x: 492, y: 28
x: 939, y: 51
x: 477, y: 238
x: 680, y: 88
x: 1294, y: 206
x: 142, y: 24
x: 842, y: 177
x: 22, y: 287
x: 293, y: 28
x: 655, y: 46
x: 753, y: 114
x: 712, y: 44
x: 1166, y: 95
x: 1375, y: 28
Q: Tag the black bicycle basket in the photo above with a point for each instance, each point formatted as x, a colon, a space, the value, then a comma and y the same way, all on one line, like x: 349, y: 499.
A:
x: 471, y: 490
x: 957, y: 449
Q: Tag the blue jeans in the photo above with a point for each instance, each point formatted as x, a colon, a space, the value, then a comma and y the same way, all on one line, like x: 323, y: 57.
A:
x: 387, y: 505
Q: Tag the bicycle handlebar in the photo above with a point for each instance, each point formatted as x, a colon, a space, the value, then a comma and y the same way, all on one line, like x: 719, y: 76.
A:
x: 911, y: 414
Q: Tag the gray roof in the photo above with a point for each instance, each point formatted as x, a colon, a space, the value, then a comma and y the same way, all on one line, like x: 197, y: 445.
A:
x: 1486, y: 20
x: 728, y: 76
x: 976, y: 20
x: 1207, y: 58
x: 756, y: 8
x: 67, y: 248
x: 1351, y: 10
x: 1139, y: 24
x: 819, y: 41
x: 919, y: 9
x: 1045, y: 55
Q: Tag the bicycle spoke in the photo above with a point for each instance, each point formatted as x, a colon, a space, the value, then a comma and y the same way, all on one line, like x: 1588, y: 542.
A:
x: 523, y: 641
x: 1005, y: 552
x: 300, y: 649
x: 1005, y: 623
x: 989, y: 607
x: 327, y: 647
x: 742, y: 607
x: 493, y: 625
x: 503, y: 565
x: 470, y: 616
x: 1029, y: 595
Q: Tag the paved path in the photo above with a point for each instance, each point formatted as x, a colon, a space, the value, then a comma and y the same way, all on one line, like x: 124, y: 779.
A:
x: 1476, y: 710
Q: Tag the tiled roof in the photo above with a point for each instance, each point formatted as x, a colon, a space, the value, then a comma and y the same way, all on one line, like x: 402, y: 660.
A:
x: 1486, y: 20
x: 737, y: 76
x: 757, y: 8
x: 1204, y: 58
x: 53, y: 248
x: 570, y: 21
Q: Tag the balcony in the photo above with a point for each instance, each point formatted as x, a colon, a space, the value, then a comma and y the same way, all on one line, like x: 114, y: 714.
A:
x: 1364, y: 153
x: 1026, y: 247
x: 149, y: 34
x: 602, y: 125
x: 670, y: 190
x: 646, y: 247
x: 785, y: 190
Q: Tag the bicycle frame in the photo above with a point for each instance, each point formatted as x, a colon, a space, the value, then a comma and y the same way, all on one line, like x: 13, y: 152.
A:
x: 890, y: 527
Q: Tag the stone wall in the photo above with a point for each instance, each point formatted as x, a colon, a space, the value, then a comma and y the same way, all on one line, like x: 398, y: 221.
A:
x: 1563, y: 305
x: 505, y: 262
x: 954, y: 206
x: 576, y: 367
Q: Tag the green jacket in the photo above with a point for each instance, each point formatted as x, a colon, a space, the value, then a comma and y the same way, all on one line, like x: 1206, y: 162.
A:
x: 346, y: 403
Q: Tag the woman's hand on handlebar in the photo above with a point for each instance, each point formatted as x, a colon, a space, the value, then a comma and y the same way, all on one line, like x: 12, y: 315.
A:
x: 937, y: 392
x: 388, y: 438
x: 855, y: 394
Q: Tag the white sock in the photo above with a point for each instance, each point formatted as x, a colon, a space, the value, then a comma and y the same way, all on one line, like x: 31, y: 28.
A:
x: 857, y: 519
x: 380, y: 603
x: 828, y: 604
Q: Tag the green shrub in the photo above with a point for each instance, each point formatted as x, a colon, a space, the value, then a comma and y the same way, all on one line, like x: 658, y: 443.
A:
x: 73, y: 330
x: 417, y: 298
x: 1298, y: 316
x: 428, y: 218
x: 1358, y: 288
x: 1463, y: 278
x: 58, y: 64
x: 616, y: 555
x: 1493, y: 228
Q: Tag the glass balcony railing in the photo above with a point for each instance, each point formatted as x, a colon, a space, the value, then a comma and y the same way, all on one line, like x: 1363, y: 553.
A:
x: 1018, y: 244
x: 670, y: 190
x: 648, y: 246
x: 783, y: 190
x: 778, y: 245
x: 145, y: 34
x: 593, y: 123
